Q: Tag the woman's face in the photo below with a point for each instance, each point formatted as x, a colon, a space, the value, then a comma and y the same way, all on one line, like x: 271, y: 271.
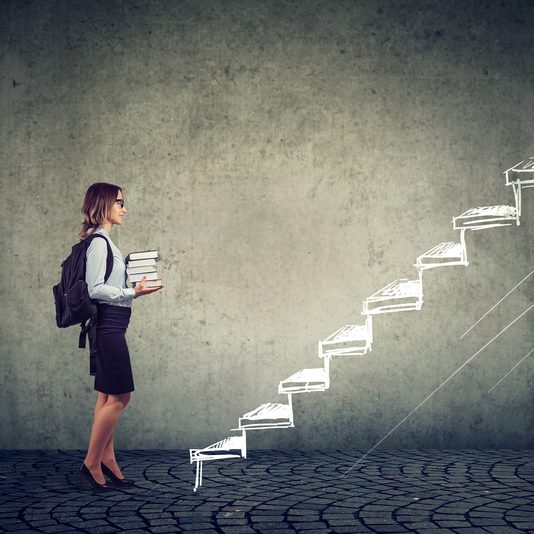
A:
x: 118, y: 210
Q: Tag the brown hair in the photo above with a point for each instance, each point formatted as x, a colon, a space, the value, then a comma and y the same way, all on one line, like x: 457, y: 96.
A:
x: 99, y: 200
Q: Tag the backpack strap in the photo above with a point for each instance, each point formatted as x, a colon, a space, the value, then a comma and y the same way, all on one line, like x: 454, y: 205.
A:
x: 87, y: 327
x: 109, y: 261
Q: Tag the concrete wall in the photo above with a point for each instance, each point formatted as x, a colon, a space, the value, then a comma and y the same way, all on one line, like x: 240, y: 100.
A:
x: 287, y: 159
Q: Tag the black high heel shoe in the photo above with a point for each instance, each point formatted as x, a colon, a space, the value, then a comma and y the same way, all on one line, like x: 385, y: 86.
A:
x: 85, y: 474
x: 115, y: 480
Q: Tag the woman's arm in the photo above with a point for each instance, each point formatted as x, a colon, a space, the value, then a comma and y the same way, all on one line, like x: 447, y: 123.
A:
x: 96, y: 270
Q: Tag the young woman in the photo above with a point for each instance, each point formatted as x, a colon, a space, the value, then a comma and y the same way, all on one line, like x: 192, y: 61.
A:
x: 102, y: 208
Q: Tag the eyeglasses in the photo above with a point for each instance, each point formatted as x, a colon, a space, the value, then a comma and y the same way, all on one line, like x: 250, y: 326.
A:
x: 120, y: 202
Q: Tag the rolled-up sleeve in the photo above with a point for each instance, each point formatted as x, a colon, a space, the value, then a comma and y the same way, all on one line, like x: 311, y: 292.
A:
x: 97, y: 253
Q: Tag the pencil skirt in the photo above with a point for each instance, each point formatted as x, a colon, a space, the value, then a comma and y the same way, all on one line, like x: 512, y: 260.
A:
x: 113, y: 367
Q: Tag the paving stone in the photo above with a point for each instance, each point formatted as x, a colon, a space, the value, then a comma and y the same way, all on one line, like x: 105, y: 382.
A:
x: 104, y: 530
x: 303, y: 518
x: 233, y: 521
x: 163, y: 528
x: 231, y: 513
x: 309, y: 525
x: 264, y: 526
x: 238, y: 530
x: 128, y: 523
x: 414, y: 512
x: 15, y: 527
x: 514, y: 515
x: 120, y: 513
x: 471, y: 530
x: 194, y: 526
x: 519, y: 501
x: 389, y: 528
x: 352, y: 530
x: 255, y: 518
x: 308, y: 506
x: 503, y: 505
x: 421, y: 524
x: 335, y: 516
x: 480, y: 522
x: 502, y: 530
x: 316, y: 530
x: 33, y: 518
x: 11, y: 517
x: 364, y: 514
x: 528, y: 508
x: 51, y: 529
x: 379, y: 521
x: 484, y: 514
x: 448, y: 517
x: 296, y: 511
x: 160, y: 522
x: 453, y: 524
x: 192, y: 514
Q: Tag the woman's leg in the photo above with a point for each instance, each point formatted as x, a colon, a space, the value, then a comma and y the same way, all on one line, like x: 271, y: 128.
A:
x: 108, y: 456
x: 107, y: 413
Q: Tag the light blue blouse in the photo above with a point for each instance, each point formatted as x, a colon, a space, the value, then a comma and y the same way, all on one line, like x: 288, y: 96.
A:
x: 114, y: 291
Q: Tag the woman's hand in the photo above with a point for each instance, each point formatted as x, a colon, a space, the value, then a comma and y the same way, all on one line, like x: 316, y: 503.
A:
x: 141, y: 290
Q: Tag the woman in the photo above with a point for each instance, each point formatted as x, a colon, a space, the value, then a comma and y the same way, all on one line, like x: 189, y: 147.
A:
x: 102, y: 208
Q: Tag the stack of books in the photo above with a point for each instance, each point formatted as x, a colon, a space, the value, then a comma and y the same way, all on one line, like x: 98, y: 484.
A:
x: 143, y: 264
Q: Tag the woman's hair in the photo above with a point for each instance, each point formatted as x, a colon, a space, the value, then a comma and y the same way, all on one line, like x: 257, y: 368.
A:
x: 99, y: 200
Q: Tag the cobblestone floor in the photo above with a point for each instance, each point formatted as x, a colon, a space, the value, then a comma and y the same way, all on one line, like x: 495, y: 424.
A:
x: 275, y: 491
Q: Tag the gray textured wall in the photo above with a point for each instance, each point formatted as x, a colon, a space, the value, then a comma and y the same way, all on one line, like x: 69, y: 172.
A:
x: 287, y: 159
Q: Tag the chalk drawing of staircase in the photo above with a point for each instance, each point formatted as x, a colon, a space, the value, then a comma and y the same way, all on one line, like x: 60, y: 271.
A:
x: 356, y: 340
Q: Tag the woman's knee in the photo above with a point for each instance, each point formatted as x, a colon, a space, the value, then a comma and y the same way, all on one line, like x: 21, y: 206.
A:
x: 126, y: 399
x: 120, y: 400
x: 101, y: 401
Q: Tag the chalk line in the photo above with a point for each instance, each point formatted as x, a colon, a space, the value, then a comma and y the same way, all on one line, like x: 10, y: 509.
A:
x: 495, y: 305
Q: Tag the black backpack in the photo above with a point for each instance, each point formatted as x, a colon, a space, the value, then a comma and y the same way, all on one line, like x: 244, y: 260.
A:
x: 71, y: 296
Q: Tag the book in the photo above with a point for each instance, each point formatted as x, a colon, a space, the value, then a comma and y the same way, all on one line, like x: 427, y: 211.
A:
x: 138, y: 277
x: 137, y: 270
x: 142, y: 255
x: 152, y: 283
x: 141, y: 263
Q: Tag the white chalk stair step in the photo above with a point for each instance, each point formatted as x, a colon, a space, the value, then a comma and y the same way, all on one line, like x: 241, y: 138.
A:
x: 443, y: 255
x: 230, y: 447
x: 521, y: 173
x: 400, y: 295
x: 520, y: 176
x: 486, y: 217
x: 305, y: 381
x: 349, y: 340
x: 268, y: 416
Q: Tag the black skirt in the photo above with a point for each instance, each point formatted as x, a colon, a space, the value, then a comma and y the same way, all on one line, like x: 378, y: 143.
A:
x: 113, y: 372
